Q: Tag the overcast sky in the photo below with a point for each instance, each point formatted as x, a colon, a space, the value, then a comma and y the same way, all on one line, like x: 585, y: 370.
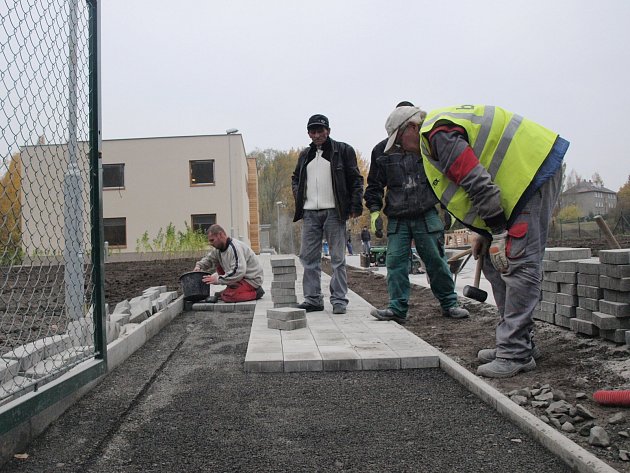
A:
x: 200, y: 67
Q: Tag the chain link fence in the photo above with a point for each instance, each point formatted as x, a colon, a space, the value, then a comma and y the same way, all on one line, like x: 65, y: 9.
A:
x: 46, y: 278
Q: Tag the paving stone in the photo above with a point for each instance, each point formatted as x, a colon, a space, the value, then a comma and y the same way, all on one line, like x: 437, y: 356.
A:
x: 588, y: 279
x: 283, y: 270
x: 562, y: 321
x: 584, y: 314
x: 151, y: 294
x: 282, y: 285
x: 285, y: 277
x: 615, y: 270
x: 282, y: 261
x: 548, y: 317
x: 8, y: 369
x: 18, y: 383
x: 566, y: 299
x: 570, y: 289
x: 286, y: 324
x: 303, y: 361
x: 610, y: 322
x: 584, y: 327
x: 618, y: 309
x: 340, y: 359
x: 616, y: 284
x: 58, y: 362
x: 282, y: 291
x: 617, y: 336
x: 563, y: 276
x: 563, y: 254
x: 279, y: 305
x: 589, y: 266
x: 566, y: 310
x: 588, y: 303
x: 286, y: 314
x: 550, y: 286
x: 122, y: 307
x: 616, y: 296
x: 568, y: 265
x: 616, y: 256
x: 140, y: 305
x: 549, y: 265
x: 284, y: 299
x: 546, y: 306
x: 261, y: 362
x: 592, y: 292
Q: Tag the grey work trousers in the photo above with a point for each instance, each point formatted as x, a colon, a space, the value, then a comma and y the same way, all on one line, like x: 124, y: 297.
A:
x: 318, y: 225
x: 517, y: 291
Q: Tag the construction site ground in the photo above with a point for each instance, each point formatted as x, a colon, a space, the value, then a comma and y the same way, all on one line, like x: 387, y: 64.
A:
x: 385, y: 413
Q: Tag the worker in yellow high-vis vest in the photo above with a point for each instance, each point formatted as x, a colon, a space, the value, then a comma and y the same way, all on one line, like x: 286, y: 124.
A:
x: 500, y: 175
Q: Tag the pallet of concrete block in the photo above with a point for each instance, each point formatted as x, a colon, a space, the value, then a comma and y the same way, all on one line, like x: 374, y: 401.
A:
x: 613, y: 315
x: 286, y: 318
x: 283, y: 282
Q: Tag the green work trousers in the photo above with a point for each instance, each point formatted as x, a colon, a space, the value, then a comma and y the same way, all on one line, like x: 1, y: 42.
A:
x: 427, y: 231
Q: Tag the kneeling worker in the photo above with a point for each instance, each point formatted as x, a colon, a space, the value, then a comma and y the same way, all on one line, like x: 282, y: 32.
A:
x: 235, y: 265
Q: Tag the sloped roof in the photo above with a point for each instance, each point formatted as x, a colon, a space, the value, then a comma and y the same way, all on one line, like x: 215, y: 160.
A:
x: 587, y: 186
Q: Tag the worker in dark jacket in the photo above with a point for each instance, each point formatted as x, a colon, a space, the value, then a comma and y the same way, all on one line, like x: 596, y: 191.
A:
x: 328, y: 189
x: 411, y: 216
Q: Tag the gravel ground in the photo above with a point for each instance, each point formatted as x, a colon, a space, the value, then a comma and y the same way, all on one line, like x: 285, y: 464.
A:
x: 184, y: 403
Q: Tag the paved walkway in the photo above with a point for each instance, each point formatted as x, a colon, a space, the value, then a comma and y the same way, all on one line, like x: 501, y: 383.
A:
x: 331, y: 342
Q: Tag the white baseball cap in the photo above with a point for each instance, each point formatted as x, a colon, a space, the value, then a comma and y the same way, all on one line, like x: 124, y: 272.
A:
x: 399, y: 117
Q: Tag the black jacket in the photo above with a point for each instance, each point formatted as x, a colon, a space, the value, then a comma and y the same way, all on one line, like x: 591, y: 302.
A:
x: 346, y: 179
x: 408, y: 192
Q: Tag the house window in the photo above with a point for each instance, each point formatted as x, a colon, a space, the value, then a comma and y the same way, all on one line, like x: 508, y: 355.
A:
x: 203, y: 221
x: 113, y: 176
x: 115, y: 231
x: 202, y: 172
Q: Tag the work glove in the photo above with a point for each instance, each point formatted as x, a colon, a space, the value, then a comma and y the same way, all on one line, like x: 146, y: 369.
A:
x: 497, y: 251
x: 480, y: 246
x: 373, y: 217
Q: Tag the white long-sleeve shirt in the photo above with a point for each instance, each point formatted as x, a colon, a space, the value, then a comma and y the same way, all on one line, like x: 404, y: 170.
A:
x: 319, y: 186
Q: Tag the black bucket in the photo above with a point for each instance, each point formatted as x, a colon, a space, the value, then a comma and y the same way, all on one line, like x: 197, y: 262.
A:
x: 194, y: 288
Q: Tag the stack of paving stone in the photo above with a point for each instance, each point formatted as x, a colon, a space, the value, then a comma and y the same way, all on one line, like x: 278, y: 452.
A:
x: 590, y: 295
x: 613, y: 316
x: 283, y: 283
x: 286, y: 318
x: 559, y: 286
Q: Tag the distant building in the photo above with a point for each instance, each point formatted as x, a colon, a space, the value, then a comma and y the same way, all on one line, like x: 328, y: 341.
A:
x: 147, y: 184
x: 591, y: 199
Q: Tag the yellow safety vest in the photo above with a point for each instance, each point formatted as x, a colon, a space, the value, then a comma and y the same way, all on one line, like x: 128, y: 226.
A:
x: 510, y: 147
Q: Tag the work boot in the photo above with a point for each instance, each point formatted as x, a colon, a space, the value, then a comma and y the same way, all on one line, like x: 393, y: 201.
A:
x: 310, y: 307
x: 505, y: 368
x: 455, y: 312
x: 488, y: 354
x: 388, y: 314
x: 338, y: 309
x: 259, y: 292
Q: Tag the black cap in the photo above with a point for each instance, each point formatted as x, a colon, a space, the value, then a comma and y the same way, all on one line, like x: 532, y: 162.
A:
x: 317, y: 120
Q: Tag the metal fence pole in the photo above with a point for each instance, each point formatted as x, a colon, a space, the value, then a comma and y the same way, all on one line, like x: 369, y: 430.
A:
x: 74, y: 280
